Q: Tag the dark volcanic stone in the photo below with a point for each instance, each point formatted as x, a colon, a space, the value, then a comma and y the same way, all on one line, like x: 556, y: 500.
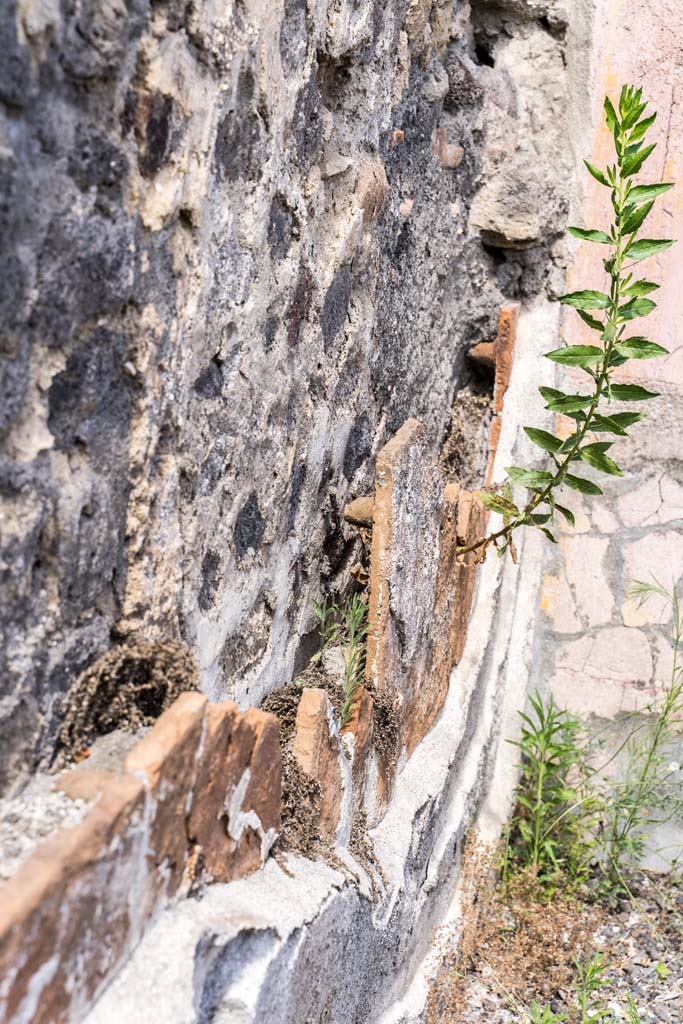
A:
x: 90, y: 400
x: 211, y: 564
x: 210, y: 381
x: 239, y: 150
x: 335, y: 306
x: 280, y: 227
x: 249, y: 527
x: 95, y: 160
x: 307, y: 126
x: 358, y: 447
x: 156, y: 132
x: 298, y: 310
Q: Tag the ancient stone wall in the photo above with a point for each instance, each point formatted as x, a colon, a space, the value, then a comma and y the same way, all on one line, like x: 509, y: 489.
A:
x: 243, y: 243
x: 251, y: 245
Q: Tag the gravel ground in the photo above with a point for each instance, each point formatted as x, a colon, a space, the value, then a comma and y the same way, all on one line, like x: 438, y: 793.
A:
x: 31, y: 817
x: 641, y: 940
x: 35, y: 814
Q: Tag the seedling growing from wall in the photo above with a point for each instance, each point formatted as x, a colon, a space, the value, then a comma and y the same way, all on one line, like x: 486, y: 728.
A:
x: 595, y: 411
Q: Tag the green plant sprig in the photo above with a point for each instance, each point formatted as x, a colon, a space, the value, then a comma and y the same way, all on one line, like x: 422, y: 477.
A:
x: 626, y: 301
x: 345, y: 625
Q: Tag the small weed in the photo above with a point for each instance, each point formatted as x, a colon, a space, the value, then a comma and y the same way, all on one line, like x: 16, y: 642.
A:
x: 646, y: 795
x: 590, y: 979
x: 632, y: 1015
x: 573, y: 819
x: 346, y: 626
x: 547, y: 834
x: 544, y: 1015
x: 662, y: 971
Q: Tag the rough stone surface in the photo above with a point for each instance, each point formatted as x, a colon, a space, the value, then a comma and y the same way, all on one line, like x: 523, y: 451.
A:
x: 217, y: 307
x: 310, y: 943
x: 403, y: 577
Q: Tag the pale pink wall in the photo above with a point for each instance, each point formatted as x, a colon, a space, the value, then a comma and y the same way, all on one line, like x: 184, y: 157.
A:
x: 601, y: 654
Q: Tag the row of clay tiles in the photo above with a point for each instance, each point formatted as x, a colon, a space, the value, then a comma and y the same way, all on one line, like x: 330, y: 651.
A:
x: 201, y: 793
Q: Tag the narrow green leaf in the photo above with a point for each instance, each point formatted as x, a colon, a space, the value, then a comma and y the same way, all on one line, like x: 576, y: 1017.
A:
x: 631, y: 393
x: 531, y: 478
x: 576, y: 355
x: 591, y: 320
x: 631, y: 150
x: 539, y: 518
x: 633, y: 163
x: 600, y: 446
x: 548, y: 442
x: 597, y: 174
x: 636, y: 307
x: 497, y: 503
x: 636, y: 217
x: 548, y: 534
x: 641, y: 348
x: 567, y: 513
x: 570, y: 403
x: 640, y: 129
x: 610, y: 114
x: 647, y: 247
x: 586, y: 299
x: 626, y: 419
x: 591, y: 235
x: 578, y: 483
x: 643, y: 193
x: 640, y: 288
x: 551, y: 394
x: 568, y: 443
x: 607, y: 424
x: 598, y: 460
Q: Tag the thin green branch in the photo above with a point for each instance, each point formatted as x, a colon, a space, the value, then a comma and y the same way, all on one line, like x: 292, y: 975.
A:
x: 625, y: 302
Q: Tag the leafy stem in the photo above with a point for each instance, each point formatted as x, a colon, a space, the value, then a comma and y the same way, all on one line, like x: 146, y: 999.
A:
x: 625, y: 302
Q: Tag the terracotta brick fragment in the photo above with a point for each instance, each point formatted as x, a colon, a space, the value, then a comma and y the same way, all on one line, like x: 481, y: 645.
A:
x: 76, y: 908
x: 483, y: 355
x: 470, y: 524
x: 83, y: 784
x: 447, y: 153
x: 444, y: 631
x: 359, y: 512
x: 71, y: 912
x: 255, y: 800
x: 494, y: 438
x: 318, y: 750
x: 403, y: 575
x: 505, y: 346
x: 166, y: 761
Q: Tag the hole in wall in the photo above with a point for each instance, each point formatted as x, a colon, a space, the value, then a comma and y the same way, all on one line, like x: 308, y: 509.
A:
x: 483, y: 54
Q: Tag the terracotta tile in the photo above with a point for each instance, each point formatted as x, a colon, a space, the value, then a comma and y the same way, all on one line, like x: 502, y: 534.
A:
x: 505, y: 347
x: 317, y: 749
x: 166, y: 761
x: 71, y: 912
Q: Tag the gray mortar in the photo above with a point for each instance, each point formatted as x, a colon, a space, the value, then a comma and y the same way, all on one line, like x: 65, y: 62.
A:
x: 204, y: 345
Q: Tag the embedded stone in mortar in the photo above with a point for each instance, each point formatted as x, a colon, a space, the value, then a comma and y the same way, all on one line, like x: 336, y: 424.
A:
x: 318, y: 751
x: 403, y: 574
